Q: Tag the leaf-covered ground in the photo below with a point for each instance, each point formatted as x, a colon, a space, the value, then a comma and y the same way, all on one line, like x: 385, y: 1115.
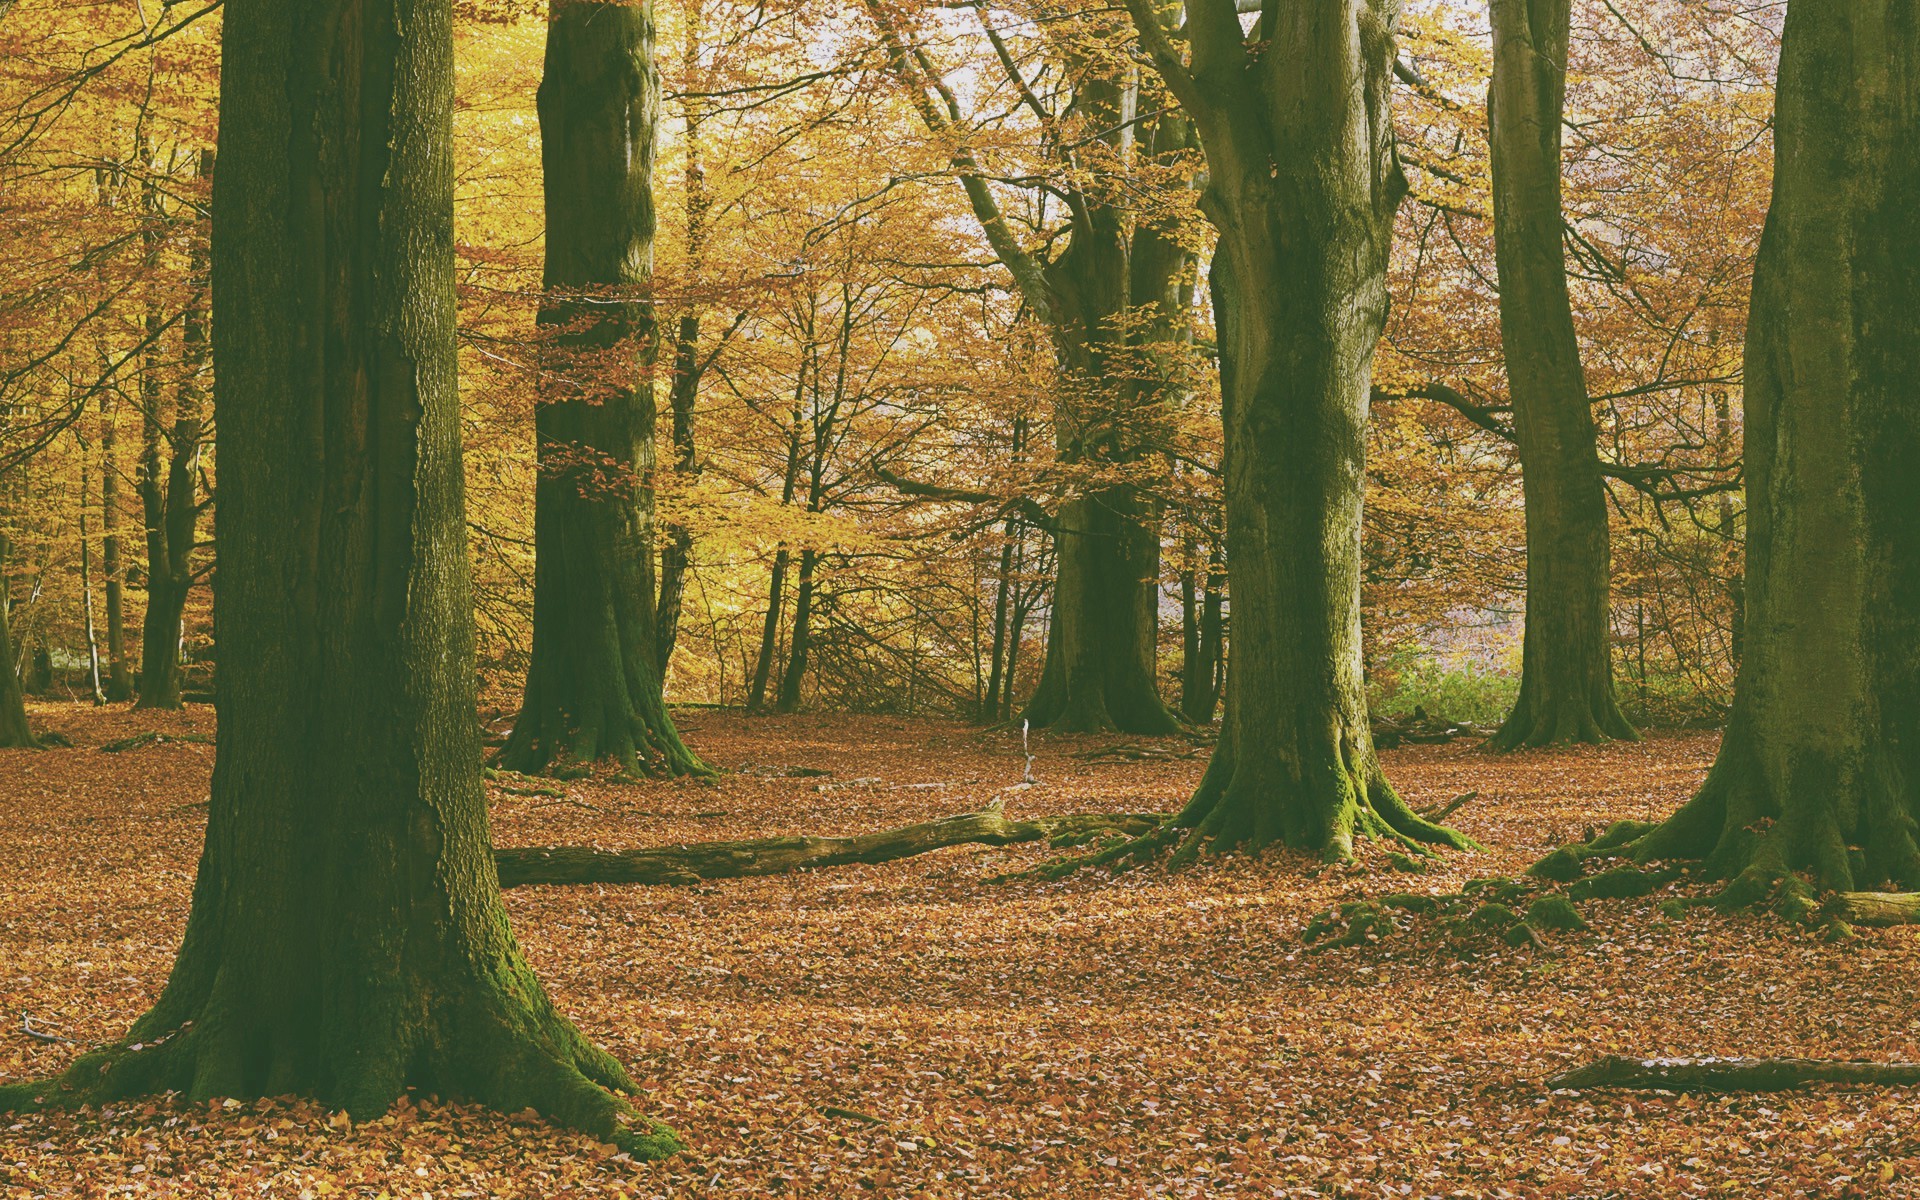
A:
x: 914, y: 1029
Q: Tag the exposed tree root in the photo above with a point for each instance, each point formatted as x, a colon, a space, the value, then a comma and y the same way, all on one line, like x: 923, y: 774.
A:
x: 1785, y: 858
x: 1729, y: 1074
x: 521, y: 867
x: 1247, y: 810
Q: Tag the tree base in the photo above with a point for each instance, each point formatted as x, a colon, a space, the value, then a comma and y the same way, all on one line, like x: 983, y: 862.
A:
x: 1091, y: 711
x: 1249, y: 806
x: 545, y: 742
x: 1782, y: 851
x: 1572, y: 721
x: 504, y: 1059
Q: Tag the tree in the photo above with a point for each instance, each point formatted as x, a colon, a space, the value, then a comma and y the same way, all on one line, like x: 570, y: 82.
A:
x: 1566, y: 681
x: 1303, y: 184
x: 593, y: 686
x: 1101, y: 665
x: 346, y: 939
x: 1819, y: 771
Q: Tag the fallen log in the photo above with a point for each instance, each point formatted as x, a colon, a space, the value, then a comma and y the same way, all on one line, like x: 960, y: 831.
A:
x: 1439, y: 813
x: 1876, y: 908
x: 531, y: 865
x: 1728, y: 1074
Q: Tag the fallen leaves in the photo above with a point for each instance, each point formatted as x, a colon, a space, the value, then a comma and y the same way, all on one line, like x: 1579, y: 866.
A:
x: 909, y: 1030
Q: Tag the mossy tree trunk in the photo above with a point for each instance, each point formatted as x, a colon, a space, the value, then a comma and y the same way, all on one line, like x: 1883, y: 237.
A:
x: 1819, y: 771
x: 346, y: 939
x: 1303, y: 185
x: 1566, y: 681
x: 593, y: 687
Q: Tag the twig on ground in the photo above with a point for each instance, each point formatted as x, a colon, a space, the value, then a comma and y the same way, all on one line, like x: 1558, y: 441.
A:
x: 40, y: 1035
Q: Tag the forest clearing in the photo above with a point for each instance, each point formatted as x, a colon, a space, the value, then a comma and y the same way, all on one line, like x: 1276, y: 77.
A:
x: 1050, y: 598
x: 915, y: 1029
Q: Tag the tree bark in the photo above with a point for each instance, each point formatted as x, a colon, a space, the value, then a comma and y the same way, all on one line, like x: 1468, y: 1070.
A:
x: 1876, y: 908
x: 119, y: 685
x: 86, y: 585
x: 1566, y: 680
x: 346, y: 939
x: 593, y: 686
x: 529, y: 866
x: 1303, y: 185
x: 15, y: 734
x: 802, y: 639
x: 1819, y: 770
x: 769, y: 632
x: 1203, y: 635
x: 169, y: 505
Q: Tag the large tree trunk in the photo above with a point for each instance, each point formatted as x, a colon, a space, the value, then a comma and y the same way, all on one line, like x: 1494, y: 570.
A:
x: 593, y: 687
x: 1303, y: 184
x: 1819, y: 771
x: 1100, y: 669
x: 14, y: 731
x: 169, y: 504
x: 1566, y: 681
x: 346, y: 939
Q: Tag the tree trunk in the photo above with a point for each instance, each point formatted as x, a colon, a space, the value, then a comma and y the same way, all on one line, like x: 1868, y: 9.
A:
x: 593, y: 687
x: 119, y: 684
x: 1566, y: 681
x: 1203, y: 619
x: 99, y: 694
x: 997, y: 662
x: 346, y: 939
x: 1302, y: 185
x: 769, y: 633
x: 169, y: 505
x: 802, y: 639
x: 15, y: 734
x: 1819, y: 771
x: 684, y: 391
x: 1100, y: 669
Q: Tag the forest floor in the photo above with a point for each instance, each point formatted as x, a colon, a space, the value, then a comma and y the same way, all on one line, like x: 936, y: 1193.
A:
x: 915, y: 1029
